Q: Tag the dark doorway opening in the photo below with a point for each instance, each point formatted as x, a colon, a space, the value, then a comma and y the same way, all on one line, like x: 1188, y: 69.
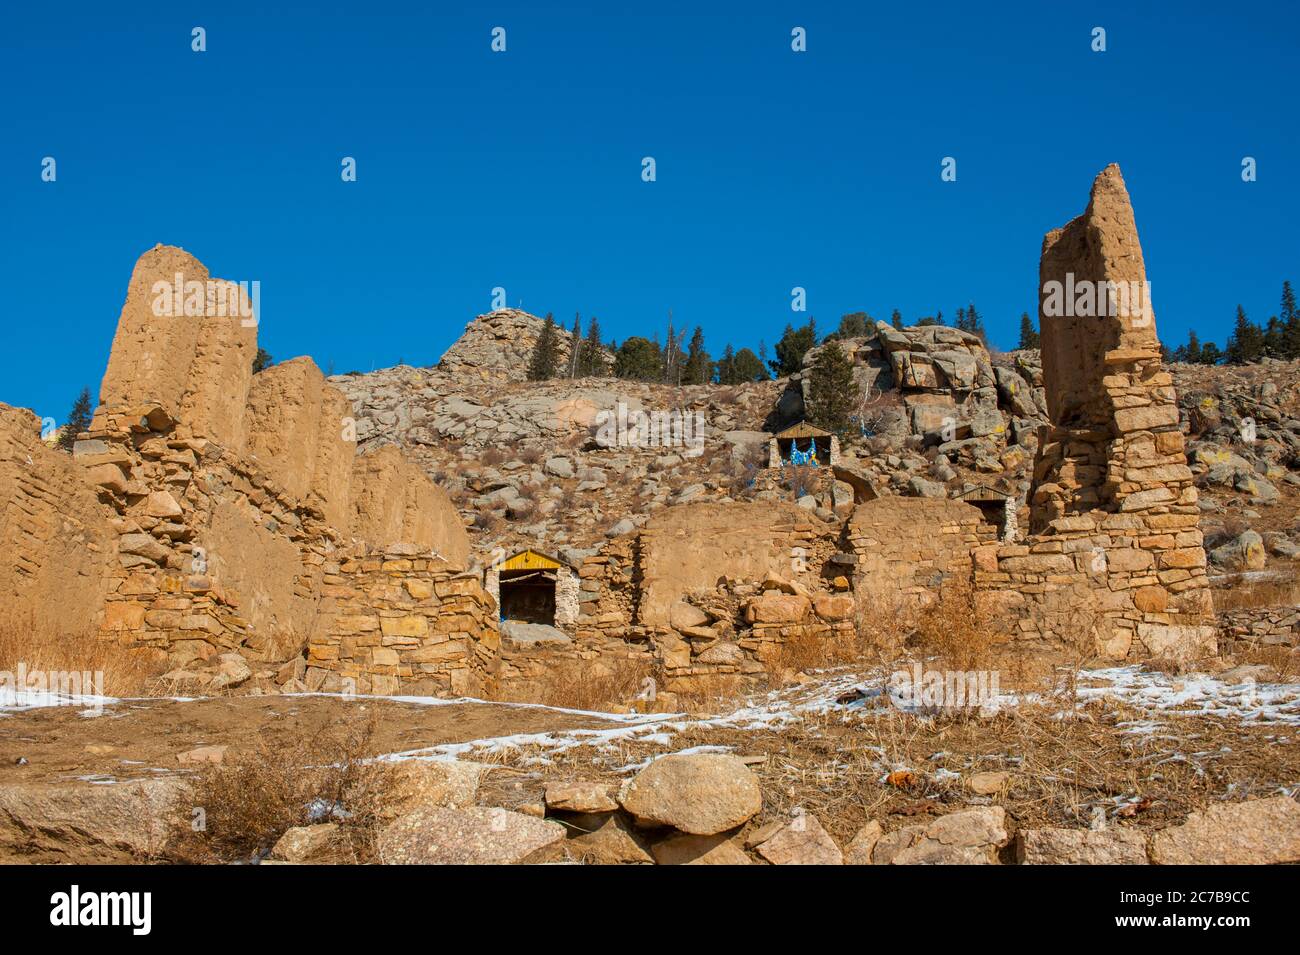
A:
x: 528, y: 596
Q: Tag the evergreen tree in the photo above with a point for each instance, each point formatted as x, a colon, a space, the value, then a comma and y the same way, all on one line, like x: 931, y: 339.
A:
x: 1275, y: 338
x: 896, y: 319
x: 695, y: 371
x: 575, y: 345
x: 855, y: 325
x: 262, y: 360
x: 1210, y: 354
x: 833, y: 394
x: 78, y: 420
x: 1192, y: 350
x: 546, y: 353
x: 975, y: 323
x: 639, y: 359
x: 794, y: 344
x: 1247, y: 342
x: 1029, y: 337
x: 724, y: 366
x: 591, y: 361
x: 747, y: 367
x: 1290, y: 322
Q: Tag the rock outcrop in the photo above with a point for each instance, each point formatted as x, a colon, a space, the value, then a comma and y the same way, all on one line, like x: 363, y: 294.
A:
x: 499, y: 346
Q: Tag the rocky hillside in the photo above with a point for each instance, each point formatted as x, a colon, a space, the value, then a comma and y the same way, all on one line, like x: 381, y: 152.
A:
x: 939, y: 413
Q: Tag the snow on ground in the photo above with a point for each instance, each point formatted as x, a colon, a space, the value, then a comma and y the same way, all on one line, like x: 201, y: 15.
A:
x: 1194, y: 694
x: 12, y: 698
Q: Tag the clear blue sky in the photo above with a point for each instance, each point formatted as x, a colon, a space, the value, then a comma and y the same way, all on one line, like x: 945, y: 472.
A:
x: 522, y: 169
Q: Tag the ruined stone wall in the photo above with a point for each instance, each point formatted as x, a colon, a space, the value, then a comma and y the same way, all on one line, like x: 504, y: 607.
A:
x: 55, y: 539
x: 196, y: 367
x: 405, y: 624
x: 1114, y: 549
x: 231, y: 505
x: 906, y: 547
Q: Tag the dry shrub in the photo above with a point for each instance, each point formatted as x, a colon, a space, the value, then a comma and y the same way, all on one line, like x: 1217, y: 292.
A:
x: 1256, y: 594
x: 251, y: 798
x: 1284, y: 660
x: 531, y: 454
x: 594, y: 685
x: 493, y: 456
x: 956, y: 629
x: 801, y: 479
x: 40, y: 647
x: 746, y: 470
x: 810, y: 652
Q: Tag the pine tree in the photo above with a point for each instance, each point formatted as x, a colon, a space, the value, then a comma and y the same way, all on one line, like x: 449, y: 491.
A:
x: 726, y: 366
x: 262, y: 360
x: 975, y: 323
x: 794, y: 344
x: 639, y: 359
x: 575, y: 345
x: 1210, y: 354
x: 896, y: 319
x: 1290, y: 323
x: 748, y: 367
x: 961, y: 319
x: 590, y: 359
x: 833, y: 394
x: 695, y: 370
x: 1193, y: 353
x: 78, y: 420
x: 1275, y: 338
x: 1247, y: 342
x: 855, y: 325
x: 546, y: 353
x: 1029, y: 337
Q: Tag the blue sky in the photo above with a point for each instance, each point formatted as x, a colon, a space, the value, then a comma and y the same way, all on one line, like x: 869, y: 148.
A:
x: 522, y: 169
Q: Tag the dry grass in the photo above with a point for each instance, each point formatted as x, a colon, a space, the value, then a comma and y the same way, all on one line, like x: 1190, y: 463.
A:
x: 59, y: 655
x: 243, y: 805
x: 1256, y: 594
x: 591, y: 685
x: 956, y: 629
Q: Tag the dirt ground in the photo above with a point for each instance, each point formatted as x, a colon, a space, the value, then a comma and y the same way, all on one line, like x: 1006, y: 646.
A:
x: 138, y: 738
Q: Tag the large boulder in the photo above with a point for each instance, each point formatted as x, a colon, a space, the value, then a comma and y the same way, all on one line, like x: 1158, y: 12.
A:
x: 476, y: 835
x: 698, y: 793
x: 1081, y: 847
x: 968, y: 837
x: 1260, y: 832
x: 78, y: 822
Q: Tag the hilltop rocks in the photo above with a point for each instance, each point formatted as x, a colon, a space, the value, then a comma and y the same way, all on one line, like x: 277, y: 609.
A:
x: 700, y: 793
x: 499, y: 346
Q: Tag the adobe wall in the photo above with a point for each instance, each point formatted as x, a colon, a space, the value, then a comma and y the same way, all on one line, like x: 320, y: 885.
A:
x: 55, y: 539
x: 236, y: 503
x: 907, y: 546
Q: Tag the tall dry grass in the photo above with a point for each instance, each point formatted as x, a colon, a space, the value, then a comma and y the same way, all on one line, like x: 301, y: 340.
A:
x: 35, y: 646
x: 239, y: 808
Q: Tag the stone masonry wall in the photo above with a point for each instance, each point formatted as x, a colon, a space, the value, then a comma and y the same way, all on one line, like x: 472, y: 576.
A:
x: 405, y: 624
x: 1115, y: 548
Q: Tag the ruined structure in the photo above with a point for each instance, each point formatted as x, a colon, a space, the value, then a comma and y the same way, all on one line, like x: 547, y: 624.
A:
x: 209, y: 511
x: 1114, y: 517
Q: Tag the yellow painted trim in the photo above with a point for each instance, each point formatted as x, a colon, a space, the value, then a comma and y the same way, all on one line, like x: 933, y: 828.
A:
x: 530, y: 560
